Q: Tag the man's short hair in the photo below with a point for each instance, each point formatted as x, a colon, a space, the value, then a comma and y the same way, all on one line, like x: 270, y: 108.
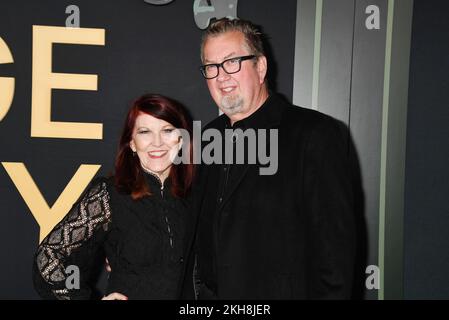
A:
x: 253, y: 37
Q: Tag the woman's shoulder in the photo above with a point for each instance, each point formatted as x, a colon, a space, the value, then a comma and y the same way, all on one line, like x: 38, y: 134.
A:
x: 105, y: 185
x: 98, y: 185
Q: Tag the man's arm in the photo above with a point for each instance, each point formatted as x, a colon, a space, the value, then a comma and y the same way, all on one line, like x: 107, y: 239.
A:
x: 330, y: 213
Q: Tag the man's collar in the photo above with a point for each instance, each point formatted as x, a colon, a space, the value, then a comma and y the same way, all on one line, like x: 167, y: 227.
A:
x: 268, y: 115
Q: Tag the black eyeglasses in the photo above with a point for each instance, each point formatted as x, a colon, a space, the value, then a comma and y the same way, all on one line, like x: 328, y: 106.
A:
x: 230, y: 66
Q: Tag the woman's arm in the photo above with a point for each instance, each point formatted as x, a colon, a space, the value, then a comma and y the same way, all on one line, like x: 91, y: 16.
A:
x: 73, y: 242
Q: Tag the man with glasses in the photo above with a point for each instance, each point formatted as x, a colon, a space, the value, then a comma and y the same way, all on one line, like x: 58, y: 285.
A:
x: 289, y: 235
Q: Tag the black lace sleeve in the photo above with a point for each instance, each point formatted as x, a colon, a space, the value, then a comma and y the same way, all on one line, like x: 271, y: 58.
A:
x: 73, y: 242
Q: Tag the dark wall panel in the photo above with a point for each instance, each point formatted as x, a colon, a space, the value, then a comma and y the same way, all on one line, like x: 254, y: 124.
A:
x: 426, y: 218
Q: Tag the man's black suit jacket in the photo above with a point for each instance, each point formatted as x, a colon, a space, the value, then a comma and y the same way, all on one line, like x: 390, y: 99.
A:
x: 290, y: 235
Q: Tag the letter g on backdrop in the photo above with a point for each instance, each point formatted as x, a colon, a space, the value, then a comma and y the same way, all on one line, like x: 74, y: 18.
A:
x: 206, y: 10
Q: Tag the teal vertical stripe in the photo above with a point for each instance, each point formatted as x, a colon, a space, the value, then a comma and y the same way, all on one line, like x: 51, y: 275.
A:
x: 317, y: 53
x: 383, y: 151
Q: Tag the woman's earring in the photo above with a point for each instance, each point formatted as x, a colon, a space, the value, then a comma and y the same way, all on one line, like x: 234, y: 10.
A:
x: 134, y: 153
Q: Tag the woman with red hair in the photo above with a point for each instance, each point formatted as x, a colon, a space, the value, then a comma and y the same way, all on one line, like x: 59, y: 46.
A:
x: 136, y: 217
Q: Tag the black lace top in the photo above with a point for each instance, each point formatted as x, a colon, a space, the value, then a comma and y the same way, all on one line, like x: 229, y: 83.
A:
x: 142, y: 239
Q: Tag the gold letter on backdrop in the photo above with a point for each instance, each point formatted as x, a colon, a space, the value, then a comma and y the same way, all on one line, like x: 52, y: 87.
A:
x: 45, y: 216
x: 44, y: 80
x: 6, y: 83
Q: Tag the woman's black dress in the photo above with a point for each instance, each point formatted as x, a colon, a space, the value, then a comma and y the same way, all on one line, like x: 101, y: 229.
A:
x: 142, y: 239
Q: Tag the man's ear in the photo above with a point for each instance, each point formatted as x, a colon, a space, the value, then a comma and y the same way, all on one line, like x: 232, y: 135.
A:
x: 262, y: 68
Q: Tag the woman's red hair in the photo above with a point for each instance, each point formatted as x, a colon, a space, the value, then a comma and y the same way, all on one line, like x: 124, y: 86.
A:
x: 129, y: 175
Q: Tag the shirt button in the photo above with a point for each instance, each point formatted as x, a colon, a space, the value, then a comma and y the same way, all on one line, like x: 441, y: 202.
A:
x: 220, y: 199
x: 181, y: 260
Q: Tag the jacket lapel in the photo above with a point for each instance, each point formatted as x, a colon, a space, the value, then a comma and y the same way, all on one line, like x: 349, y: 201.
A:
x: 267, y: 117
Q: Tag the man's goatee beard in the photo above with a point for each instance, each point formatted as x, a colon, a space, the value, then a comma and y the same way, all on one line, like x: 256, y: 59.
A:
x: 231, y: 104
